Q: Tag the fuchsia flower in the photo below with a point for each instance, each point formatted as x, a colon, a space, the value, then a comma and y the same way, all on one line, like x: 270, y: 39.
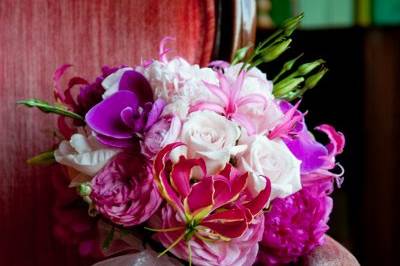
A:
x: 295, y: 225
x: 122, y: 118
x: 124, y: 191
x: 215, y: 209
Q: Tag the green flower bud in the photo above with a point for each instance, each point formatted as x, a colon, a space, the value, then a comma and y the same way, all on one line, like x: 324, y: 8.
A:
x: 84, y: 189
x: 306, y: 68
x: 313, y: 80
x: 273, y: 52
x: 291, y: 24
x: 240, y: 54
x: 286, y: 86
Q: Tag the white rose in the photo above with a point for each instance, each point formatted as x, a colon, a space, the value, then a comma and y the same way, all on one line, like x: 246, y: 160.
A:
x: 272, y: 159
x: 178, y: 78
x: 212, y: 137
x: 84, y: 154
x: 111, y: 82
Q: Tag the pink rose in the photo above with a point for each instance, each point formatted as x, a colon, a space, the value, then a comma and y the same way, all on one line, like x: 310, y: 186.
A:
x: 239, y: 251
x: 124, y: 190
x: 164, y: 132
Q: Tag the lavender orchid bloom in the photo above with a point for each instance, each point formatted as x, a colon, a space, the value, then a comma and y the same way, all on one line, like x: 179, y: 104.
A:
x: 121, y: 119
x: 304, y: 146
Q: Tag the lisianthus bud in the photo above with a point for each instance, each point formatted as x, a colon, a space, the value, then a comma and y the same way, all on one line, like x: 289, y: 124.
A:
x: 313, y: 80
x: 286, y: 86
x: 240, y: 54
x: 306, y: 68
x: 273, y: 52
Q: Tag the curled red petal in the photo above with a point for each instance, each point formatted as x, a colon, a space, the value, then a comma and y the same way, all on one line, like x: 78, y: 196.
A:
x: 181, y: 172
x: 201, y: 195
x: 260, y: 201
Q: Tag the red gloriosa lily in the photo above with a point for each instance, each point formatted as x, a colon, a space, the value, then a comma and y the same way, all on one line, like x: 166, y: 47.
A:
x: 214, y: 207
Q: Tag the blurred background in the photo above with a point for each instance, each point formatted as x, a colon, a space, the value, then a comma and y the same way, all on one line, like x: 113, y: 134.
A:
x: 360, y: 40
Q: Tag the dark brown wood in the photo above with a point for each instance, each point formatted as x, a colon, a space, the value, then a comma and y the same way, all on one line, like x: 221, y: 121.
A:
x: 382, y: 121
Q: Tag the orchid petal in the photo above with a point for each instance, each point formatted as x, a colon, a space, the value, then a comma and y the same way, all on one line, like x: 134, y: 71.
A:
x: 135, y: 82
x: 154, y: 113
x: 105, y: 117
x: 337, y: 140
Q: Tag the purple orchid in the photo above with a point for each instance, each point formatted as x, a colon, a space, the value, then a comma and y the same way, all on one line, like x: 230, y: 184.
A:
x: 303, y: 145
x: 121, y: 119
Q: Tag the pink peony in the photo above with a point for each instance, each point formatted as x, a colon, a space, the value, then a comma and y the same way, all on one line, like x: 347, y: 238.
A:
x: 124, y: 191
x: 239, y: 251
x: 295, y: 225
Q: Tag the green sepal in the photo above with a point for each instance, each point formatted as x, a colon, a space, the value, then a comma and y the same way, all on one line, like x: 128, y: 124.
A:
x: 44, y: 158
x: 240, y: 54
x: 49, y: 108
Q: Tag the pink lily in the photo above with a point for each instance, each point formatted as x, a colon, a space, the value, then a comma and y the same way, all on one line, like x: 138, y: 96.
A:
x: 229, y: 94
x: 285, y: 128
x: 216, y: 207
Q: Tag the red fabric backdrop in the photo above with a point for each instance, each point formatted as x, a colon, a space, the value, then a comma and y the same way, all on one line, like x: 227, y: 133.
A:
x: 36, y: 36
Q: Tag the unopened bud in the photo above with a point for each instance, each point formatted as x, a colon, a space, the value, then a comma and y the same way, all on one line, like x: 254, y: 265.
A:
x: 273, y: 52
x: 313, y: 80
x: 286, y: 86
x: 84, y: 189
x: 240, y: 54
x: 306, y: 68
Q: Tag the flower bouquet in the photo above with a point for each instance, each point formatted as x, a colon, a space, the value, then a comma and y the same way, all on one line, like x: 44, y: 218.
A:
x: 205, y: 166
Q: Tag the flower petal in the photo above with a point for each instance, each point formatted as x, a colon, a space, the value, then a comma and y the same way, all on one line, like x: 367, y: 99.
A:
x: 105, y: 117
x: 260, y: 201
x: 135, y: 82
x: 181, y: 174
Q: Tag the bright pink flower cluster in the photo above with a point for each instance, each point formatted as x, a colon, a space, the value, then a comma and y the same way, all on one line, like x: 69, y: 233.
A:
x: 295, y: 225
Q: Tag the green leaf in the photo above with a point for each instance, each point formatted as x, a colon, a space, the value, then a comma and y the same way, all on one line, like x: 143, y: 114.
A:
x: 42, y: 158
x: 48, y: 108
x: 109, y: 238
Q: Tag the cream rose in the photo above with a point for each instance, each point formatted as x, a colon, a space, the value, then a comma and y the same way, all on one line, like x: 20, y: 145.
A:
x: 270, y: 158
x: 212, y: 137
x: 84, y: 154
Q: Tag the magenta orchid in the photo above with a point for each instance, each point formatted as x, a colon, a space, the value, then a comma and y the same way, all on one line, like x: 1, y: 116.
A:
x: 229, y: 94
x: 214, y: 208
